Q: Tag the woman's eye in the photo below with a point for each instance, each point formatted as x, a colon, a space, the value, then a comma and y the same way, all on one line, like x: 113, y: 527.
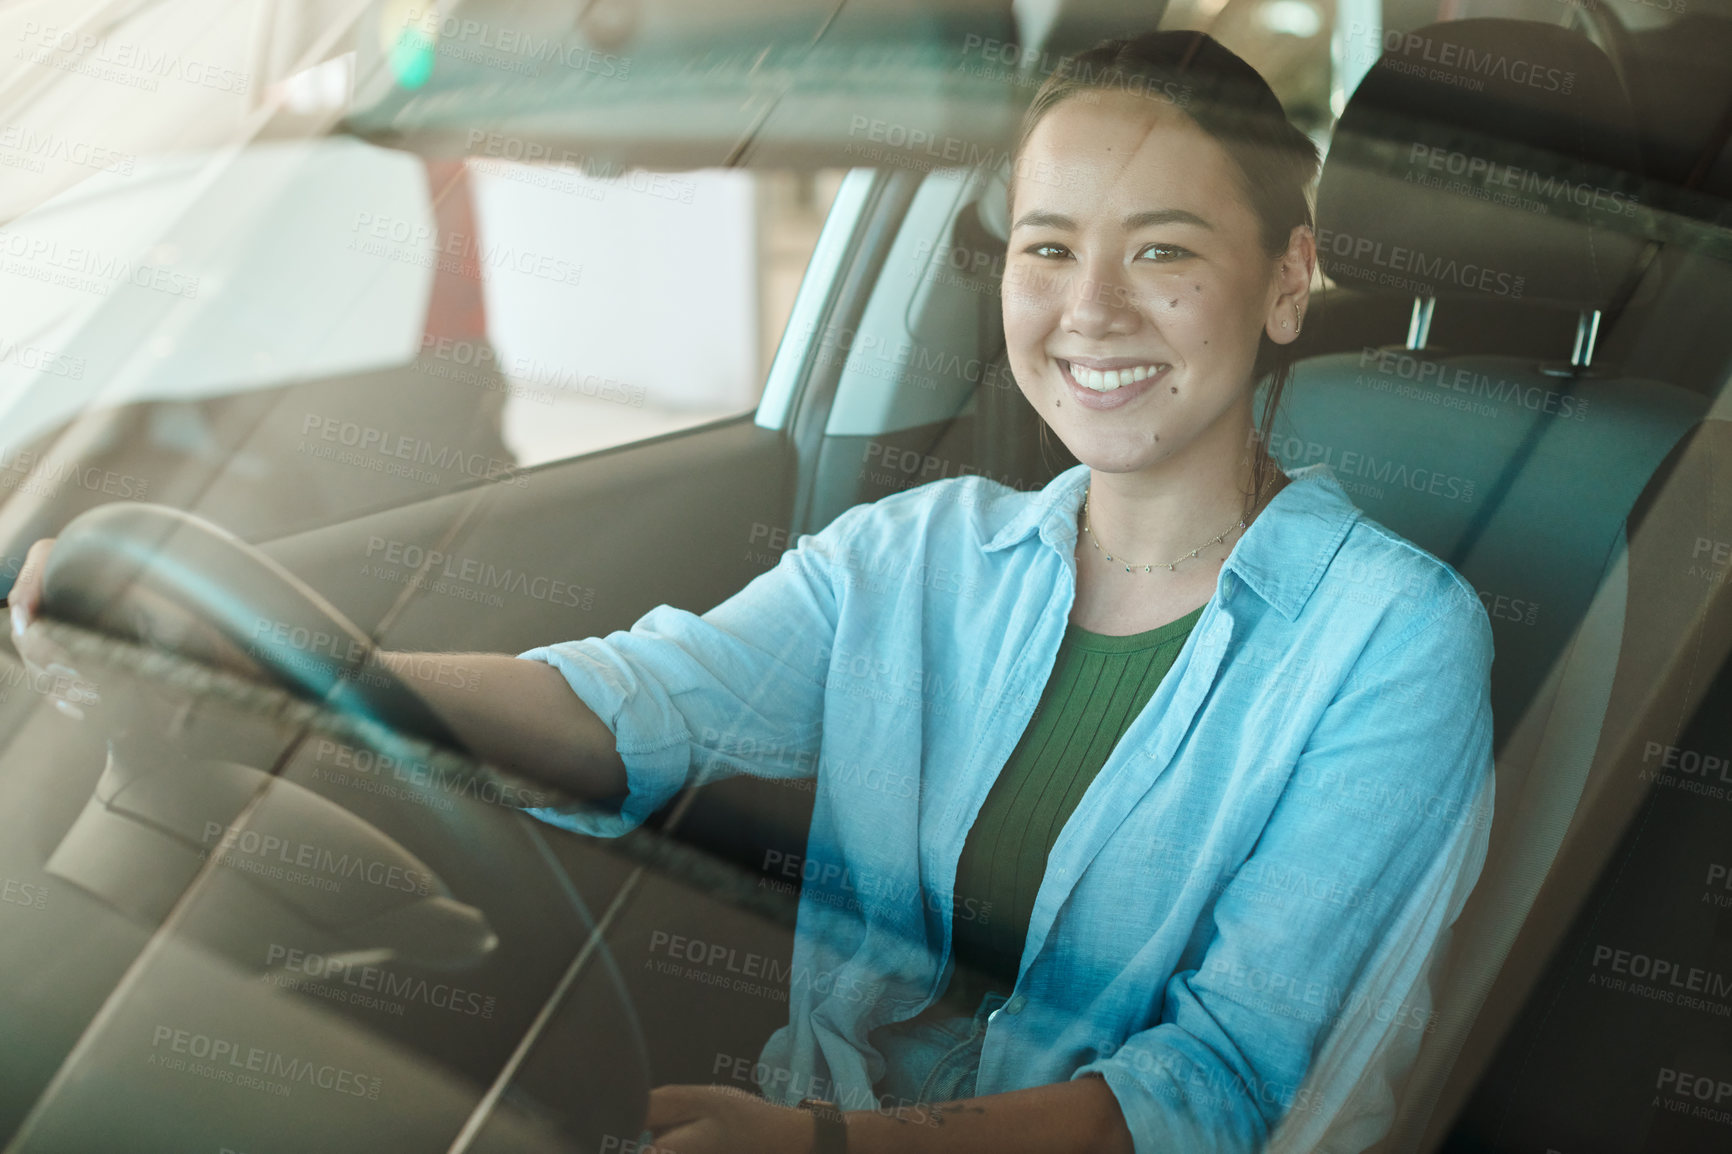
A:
x: 1163, y: 252
x: 1048, y: 249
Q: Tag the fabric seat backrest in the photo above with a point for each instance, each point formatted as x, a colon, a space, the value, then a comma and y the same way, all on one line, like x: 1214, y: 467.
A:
x: 1442, y: 185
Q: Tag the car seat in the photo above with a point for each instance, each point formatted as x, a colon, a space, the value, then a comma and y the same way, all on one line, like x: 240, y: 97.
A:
x: 1493, y: 162
x: 1529, y: 474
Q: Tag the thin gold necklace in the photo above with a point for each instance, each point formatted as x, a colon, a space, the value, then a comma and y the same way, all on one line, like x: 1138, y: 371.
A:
x: 1167, y: 565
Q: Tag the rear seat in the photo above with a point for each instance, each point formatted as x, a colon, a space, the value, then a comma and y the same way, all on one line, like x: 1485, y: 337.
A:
x: 1444, y: 185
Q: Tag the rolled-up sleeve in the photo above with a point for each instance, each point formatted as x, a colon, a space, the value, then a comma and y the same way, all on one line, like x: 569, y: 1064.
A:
x: 1323, y: 940
x: 690, y: 698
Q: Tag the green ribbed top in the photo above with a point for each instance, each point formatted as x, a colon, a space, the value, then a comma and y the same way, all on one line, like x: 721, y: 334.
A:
x: 1098, y: 686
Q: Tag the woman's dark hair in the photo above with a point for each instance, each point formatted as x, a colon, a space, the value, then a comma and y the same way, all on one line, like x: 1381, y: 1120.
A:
x: 1227, y: 99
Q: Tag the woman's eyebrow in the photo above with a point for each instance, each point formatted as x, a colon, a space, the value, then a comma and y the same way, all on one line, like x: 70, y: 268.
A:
x: 1165, y: 216
x: 1147, y: 219
x: 1040, y: 219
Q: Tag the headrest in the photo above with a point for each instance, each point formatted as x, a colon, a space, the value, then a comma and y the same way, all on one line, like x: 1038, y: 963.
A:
x: 1488, y: 159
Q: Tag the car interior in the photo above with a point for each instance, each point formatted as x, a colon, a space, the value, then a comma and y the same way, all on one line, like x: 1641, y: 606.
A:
x: 1563, y: 444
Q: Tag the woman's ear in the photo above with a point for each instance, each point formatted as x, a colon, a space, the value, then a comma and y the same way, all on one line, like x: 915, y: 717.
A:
x: 1293, y: 272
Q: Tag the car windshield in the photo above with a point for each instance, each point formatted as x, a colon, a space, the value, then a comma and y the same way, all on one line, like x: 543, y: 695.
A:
x: 352, y: 347
x: 233, y: 310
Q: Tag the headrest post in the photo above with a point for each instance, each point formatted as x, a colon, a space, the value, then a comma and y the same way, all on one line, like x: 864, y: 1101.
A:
x: 1419, y: 327
x: 1445, y: 98
x: 1587, y: 332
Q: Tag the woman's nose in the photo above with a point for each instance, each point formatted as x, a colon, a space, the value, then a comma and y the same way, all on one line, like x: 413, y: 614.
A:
x: 1100, y: 301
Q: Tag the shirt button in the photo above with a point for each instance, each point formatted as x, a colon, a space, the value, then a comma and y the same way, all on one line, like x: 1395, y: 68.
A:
x: 1015, y: 1005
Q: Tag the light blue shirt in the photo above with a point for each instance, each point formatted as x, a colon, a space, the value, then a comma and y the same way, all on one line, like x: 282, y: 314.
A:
x: 1252, y: 889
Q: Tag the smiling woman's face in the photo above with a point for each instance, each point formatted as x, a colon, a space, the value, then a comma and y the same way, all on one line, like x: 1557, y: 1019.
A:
x: 1134, y: 260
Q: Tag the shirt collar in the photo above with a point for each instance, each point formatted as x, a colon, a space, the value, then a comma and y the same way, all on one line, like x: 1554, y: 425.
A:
x: 1281, y: 557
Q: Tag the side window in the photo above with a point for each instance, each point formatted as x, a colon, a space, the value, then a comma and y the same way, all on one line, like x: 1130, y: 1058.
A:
x: 910, y: 362
x: 923, y: 391
x: 629, y: 304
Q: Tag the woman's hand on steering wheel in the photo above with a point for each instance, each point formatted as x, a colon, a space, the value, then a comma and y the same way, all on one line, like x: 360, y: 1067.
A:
x: 49, y: 665
x: 724, y: 1120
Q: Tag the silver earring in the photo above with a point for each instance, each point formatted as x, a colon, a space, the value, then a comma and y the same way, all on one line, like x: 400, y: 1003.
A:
x: 1284, y: 324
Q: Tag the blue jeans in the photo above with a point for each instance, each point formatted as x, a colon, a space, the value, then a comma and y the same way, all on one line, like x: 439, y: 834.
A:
x: 934, y: 1057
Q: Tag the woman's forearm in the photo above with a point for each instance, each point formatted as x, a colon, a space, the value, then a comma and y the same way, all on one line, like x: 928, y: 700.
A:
x: 521, y: 716
x: 1081, y: 1115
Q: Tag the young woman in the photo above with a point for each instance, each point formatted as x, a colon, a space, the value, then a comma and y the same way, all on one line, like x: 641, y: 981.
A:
x: 1142, y: 800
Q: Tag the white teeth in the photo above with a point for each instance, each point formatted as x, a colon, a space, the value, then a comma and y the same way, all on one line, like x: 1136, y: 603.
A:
x: 1106, y: 382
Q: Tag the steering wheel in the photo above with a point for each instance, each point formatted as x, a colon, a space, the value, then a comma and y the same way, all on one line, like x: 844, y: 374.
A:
x: 145, y: 573
x: 129, y: 569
